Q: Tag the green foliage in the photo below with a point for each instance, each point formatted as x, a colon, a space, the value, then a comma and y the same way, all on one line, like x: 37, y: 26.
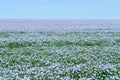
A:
x: 18, y: 44
x: 54, y: 56
x: 4, y: 34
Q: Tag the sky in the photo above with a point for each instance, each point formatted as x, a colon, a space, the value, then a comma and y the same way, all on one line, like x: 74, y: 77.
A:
x: 60, y: 9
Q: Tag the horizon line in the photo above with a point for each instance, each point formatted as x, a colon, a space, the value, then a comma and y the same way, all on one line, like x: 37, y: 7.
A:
x: 51, y: 19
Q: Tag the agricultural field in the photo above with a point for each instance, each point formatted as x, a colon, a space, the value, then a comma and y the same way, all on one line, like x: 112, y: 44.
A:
x: 59, y: 50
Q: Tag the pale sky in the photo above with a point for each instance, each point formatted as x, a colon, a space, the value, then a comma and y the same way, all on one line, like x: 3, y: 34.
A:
x: 60, y: 9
